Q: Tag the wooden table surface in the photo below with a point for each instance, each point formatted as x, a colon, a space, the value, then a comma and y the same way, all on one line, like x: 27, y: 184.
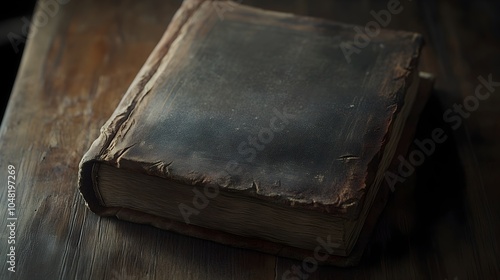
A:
x: 82, y: 55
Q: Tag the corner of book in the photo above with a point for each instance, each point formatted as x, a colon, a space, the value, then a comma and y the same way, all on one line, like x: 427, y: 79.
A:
x: 87, y: 174
x: 85, y: 185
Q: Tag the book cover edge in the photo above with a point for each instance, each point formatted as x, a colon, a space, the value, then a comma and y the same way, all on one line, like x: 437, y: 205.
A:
x: 97, y: 151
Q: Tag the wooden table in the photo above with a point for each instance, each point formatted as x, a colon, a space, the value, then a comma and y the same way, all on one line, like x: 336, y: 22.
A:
x: 82, y: 55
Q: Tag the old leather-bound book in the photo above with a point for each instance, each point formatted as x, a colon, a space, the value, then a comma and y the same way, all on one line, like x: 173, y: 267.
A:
x: 258, y: 129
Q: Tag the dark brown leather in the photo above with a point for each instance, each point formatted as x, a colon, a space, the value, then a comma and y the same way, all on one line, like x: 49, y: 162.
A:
x: 215, y: 84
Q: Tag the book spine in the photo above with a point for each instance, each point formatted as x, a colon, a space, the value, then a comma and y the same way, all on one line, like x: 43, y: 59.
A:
x: 117, y: 123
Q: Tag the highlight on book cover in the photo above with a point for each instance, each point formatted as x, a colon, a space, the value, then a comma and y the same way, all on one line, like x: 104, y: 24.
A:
x: 253, y: 130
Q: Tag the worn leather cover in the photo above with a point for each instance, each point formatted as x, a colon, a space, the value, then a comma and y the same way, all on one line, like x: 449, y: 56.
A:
x: 260, y: 103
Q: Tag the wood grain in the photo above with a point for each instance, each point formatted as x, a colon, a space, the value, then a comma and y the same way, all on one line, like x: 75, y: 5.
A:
x: 78, y: 65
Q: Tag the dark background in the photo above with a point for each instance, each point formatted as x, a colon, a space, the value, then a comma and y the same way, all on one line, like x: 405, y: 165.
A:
x: 11, y: 20
x: 446, y: 228
x: 480, y: 13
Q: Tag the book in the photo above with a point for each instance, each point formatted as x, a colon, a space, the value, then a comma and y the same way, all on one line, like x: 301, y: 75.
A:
x: 253, y: 129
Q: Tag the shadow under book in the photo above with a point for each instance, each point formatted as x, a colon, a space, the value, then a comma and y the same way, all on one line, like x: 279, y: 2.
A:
x: 253, y: 130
